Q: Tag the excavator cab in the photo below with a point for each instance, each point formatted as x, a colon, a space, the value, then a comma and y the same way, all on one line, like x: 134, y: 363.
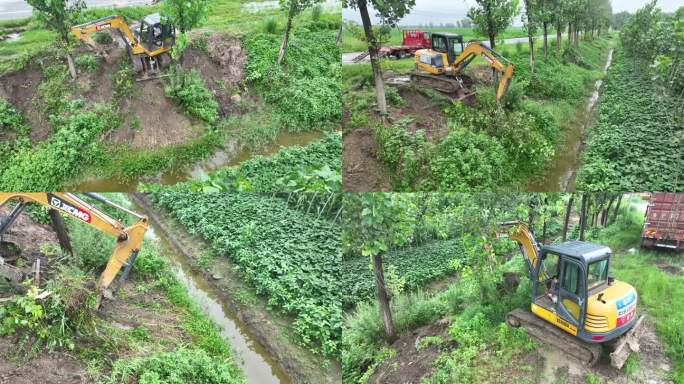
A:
x: 153, y: 34
x: 450, y: 44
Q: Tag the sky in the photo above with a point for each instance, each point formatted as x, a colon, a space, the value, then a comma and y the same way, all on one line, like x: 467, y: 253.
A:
x: 450, y: 11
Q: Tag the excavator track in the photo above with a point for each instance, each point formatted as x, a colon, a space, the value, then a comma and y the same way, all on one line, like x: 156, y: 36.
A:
x: 449, y: 85
x: 588, y: 354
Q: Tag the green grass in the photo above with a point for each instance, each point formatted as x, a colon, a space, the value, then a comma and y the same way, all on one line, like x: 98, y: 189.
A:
x: 352, y: 44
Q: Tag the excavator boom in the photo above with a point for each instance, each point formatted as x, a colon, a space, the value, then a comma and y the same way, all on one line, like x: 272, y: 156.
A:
x: 128, y: 239
x: 495, y: 60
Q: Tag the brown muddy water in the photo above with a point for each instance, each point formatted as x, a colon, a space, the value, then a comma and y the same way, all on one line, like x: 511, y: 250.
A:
x: 254, y: 361
x: 561, y: 174
x: 229, y: 156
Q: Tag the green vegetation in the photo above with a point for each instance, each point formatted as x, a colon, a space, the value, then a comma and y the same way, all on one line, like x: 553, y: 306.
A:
x: 435, y: 262
x: 310, y: 80
x: 636, y: 143
x: 189, y: 91
x: 292, y: 260
x: 312, y: 167
x: 14, y: 131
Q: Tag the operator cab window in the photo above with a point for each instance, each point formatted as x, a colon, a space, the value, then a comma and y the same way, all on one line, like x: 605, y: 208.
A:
x: 456, y: 46
x: 571, y: 278
x: 439, y: 43
x: 597, y: 274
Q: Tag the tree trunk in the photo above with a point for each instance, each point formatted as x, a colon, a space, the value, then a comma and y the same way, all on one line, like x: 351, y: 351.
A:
x: 492, y: 41
x: 286, y: 38
x: 60, y: 229
x: 607, y: 212
x: 568, y: 211
x: 546, y: 39
x: 583, y: 217
x: 559, y: 40
x: 570, y: 35
x: 339, y: 36
x: 383, y: 300
x: 617, y: 208
x: 72, y: 67
x: 375, y: 61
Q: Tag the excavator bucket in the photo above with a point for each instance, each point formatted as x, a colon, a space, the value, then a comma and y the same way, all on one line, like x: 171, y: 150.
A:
x: 626, y: 344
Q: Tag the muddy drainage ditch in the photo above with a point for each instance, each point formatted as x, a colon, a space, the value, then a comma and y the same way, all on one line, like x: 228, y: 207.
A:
x: 257, y: 365
x: 230, y: 155
x: 264, y: 340
x: 561, y: 174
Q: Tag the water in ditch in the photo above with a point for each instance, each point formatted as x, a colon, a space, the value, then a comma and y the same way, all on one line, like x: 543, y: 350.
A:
x: 560, y: 176
x: 255, y: 362
x: 230, y: 155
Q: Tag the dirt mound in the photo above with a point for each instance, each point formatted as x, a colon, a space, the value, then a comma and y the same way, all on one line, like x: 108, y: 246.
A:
x: 362, y: 170
x: 427, y: 112
x: 152, y: 120
x: 48, y: 368
x: 412, y: 361
x: 20, y: 89
x: 222, y: 67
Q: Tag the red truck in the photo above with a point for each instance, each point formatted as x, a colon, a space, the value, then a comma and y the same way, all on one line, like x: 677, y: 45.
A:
x: 412, y: 41
x: 664, y: 222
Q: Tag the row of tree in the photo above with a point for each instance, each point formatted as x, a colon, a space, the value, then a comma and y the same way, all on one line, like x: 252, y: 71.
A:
x: 374, y: 223
x: 656, y: 40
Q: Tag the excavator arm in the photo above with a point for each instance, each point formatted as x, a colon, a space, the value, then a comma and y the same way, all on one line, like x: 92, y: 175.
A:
x: 496, y: 61
x: 128, y: 239
x: 84, y: 31
x: 521, y: 234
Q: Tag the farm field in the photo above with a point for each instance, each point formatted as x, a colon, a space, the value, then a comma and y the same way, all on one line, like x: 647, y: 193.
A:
x: 221, y: 102
x: 575, y: 120
x: 456, y: 330
x: 214, y: 302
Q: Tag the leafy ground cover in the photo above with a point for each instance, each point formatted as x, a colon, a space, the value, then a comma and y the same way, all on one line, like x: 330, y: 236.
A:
x: 636, y: 143
x: 412, y: 266
x: 314, y: 167
x: 287, y: 255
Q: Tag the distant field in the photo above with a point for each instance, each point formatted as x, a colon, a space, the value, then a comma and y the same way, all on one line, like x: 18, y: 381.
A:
x: 352, y: 44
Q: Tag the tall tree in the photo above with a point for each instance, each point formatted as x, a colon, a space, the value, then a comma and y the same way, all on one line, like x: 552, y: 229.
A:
x: 568, y: 212
x: 293, y: 8
x: 389, y: 12
x: 492, y: 17
x: 583, y: 215
x: 374, y: 223
x: 60, y: 15
x: 531, y: 13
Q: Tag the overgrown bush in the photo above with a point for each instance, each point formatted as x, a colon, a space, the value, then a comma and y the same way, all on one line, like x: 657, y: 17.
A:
x: 177, y: 367
x: 87, y: 62
x: 188, y: 90
x: 305, y: 91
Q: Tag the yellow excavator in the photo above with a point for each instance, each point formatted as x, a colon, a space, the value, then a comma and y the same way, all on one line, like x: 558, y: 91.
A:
x: 576, y: 305
x: 128, y: 239
x: 442, y: 66
x: 148, y: 42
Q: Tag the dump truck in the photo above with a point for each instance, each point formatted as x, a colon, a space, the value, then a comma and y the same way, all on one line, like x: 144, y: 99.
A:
x: 664, y: 222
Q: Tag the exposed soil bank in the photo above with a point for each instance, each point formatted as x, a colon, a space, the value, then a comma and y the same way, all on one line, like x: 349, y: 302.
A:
x: 561, y: 174
x: 269, y: 329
